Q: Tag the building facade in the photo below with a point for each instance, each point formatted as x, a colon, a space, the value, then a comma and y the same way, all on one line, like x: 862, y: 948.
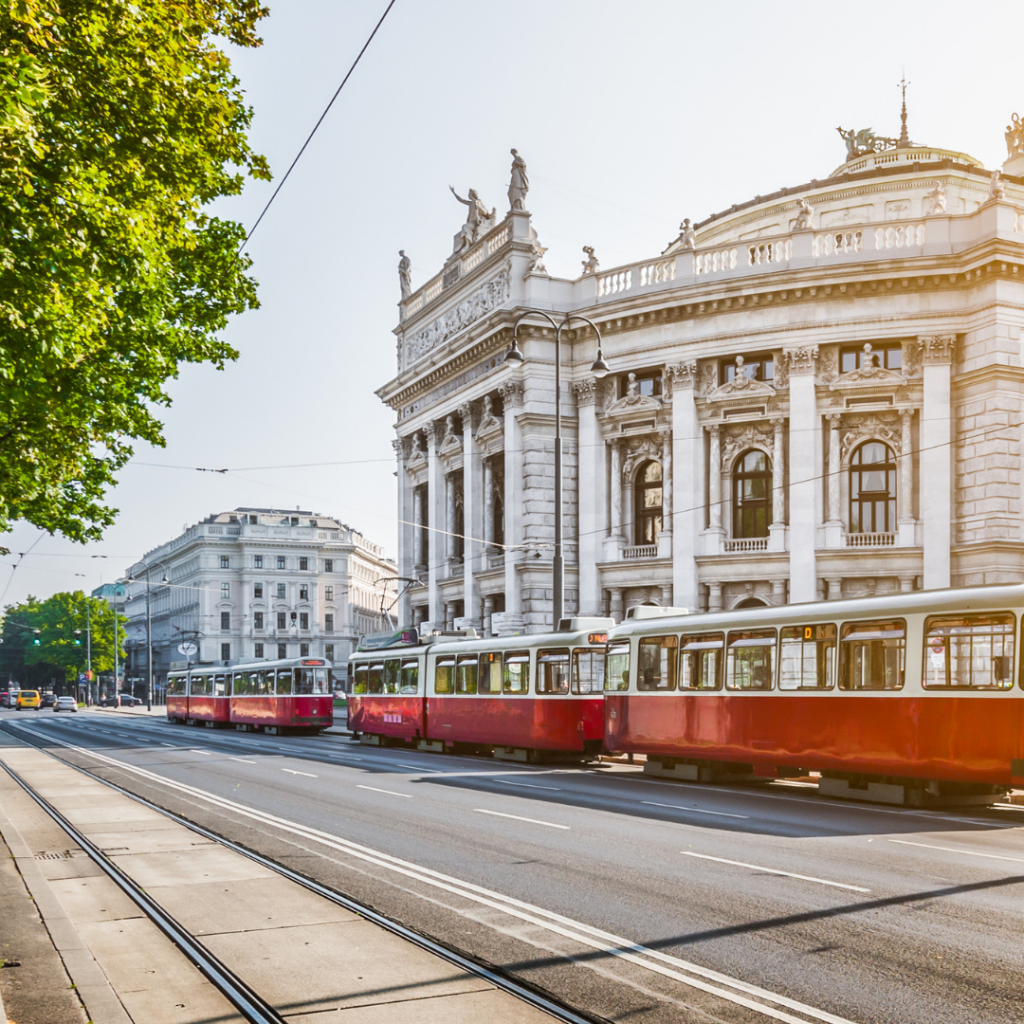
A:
x: 256, y: 583
x: 816, y: 393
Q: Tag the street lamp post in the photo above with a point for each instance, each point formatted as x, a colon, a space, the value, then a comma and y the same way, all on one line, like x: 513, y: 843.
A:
x: 149, y: 628
x: 599, y: 369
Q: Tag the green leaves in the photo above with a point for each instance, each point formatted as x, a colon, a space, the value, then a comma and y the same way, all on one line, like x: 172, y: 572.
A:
x: 118, y: 124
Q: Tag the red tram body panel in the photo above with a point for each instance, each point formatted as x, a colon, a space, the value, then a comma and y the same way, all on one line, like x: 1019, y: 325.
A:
x: 392, y: 715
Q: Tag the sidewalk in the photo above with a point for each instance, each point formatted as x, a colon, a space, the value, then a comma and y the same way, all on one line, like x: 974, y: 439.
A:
x: 304, y: 954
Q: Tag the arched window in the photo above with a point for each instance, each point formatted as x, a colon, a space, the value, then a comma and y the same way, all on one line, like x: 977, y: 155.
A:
x: 873, y: 489
x: 751, y: 495
x: 751, y: 602
x: 648, y: 503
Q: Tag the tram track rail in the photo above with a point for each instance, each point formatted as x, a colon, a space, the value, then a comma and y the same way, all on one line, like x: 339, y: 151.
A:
x: 248, y: 1002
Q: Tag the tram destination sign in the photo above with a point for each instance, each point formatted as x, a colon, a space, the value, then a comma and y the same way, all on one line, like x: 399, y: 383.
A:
x: 394, y: 638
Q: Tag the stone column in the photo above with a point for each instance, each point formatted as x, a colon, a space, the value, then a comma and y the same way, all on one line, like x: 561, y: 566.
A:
x: 615, y: 609
x: 616, y: 538
x: 804, y: 428
x: 936, y: 475
x: 512, y: 397
x: 715, y: 533
x: 835, y: 587
x: 406, y: 530
x: 665, y: 538
x: 417, y: 536
x: 591, y: 497
x: 470, y: 504
x: 437, y: 545
x: 687, y: 488
x: 834, y: 520
x: 487, y: 613
x: 714, y: 597
x: 778, y: 592
x: 449, y: 519
x: 906, y: 583
x: 488, y: 509
x: 906, y: 524
x: 777, y: 530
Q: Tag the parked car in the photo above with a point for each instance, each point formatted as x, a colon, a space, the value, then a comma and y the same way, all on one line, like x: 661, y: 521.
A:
x: 128, y: 700
x: 28, y: 699
x: 65, y: 704
x: 47, y: 698
x: 122, y: 700
x: 8, y: 698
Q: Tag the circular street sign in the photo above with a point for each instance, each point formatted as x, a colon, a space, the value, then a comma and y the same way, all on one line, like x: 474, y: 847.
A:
x: 188, y: 648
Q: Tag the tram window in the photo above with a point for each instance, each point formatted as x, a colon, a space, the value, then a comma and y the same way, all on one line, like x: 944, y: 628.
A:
x: 656, y: 664
x: 444, y: 675
x: 748, y: 663
x: 616, y: 667
x: 175, y: 686
x: 807, y: 657
x: 239, y: 684
x: 700, y: 661
x: 465, y: 674
x: 321, y: 680
x: 410, y: 677
x: 490, y: 673
x: 376, y: 681
x: 516, y: 674
x: 283, y: 681
x: 587, y: 670
x: 303, y: 681
x: 359, y: 679
x: 392, y: 668
x: 553, y: 670
x: 969, y: 652
x: 221, y: 686
x: 872, y: 655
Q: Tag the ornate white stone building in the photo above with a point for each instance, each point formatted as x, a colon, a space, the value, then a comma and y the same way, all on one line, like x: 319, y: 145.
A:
x: 257, y: 583
x: 815, y: 393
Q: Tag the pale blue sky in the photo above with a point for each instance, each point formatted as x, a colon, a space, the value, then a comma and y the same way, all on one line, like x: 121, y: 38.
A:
x: 630, y: 116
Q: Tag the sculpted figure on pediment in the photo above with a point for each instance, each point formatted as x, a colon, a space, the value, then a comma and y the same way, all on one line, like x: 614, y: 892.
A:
x: 870, y: 427
x: 639, y: 450
x: 479, y: 220
x: 738, y: 437
x: 633, y: 401
x: 742, y: 385
x: 828, y: 365
x: 488, y: 421
x: 451, y: 436
x: 417, y: 451
x: 869, y: 372
x: 708, y: 378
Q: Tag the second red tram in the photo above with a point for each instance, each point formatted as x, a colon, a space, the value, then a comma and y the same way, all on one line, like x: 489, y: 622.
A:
x: 518, y: 697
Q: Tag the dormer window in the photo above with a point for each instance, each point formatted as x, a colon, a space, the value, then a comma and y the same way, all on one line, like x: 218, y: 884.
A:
x: 757, y: 366
x: 888, y: 357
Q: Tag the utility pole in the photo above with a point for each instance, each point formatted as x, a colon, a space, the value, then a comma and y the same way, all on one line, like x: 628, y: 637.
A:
x: 88, y: 650
x: 113, y: 606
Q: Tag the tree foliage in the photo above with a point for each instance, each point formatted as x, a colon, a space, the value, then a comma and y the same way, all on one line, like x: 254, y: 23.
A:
x: 119, y: 123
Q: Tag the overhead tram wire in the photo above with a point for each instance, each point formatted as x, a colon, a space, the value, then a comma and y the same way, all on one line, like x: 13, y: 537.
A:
x: 298, y: 156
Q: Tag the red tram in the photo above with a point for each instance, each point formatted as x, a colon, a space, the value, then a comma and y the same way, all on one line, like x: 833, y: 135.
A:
x: 517, y: 697
x: 290, y: 694
x: 914, y: 698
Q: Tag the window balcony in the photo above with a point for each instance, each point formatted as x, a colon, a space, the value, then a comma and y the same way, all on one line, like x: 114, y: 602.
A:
x: 744, y: 544
x: 639, y: 551
x: 870, y: 540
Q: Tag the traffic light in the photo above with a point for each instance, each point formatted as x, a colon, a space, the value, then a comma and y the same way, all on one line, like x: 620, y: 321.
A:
x: 36, y: 642
x: 77, y: 640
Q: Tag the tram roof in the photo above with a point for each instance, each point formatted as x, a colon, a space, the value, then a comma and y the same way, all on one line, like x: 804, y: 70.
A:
x: 252, y: 666
x: 962, y: 599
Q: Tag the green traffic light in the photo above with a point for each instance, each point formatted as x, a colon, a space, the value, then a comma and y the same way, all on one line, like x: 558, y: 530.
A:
x: 77, y: 641
x: 35, y: 638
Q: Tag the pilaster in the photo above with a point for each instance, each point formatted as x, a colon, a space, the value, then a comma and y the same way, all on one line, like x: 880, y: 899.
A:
x: 936, y: 352
x: 687, y: 486
x: 470, y: 512
x: 512, y: 398
x: 591, y: 497
x: 435, y: 523
x: 804, y: 427
x: 405, y: 529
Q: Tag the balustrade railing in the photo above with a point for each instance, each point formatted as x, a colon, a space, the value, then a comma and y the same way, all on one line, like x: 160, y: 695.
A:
x: 871, y: 540
x: 899, y: 236
x: 612, y: 284
x: 838, y: 241
x: 746, y: 544
x: 640, y: 551
x: 714, y: 260
x: 658, y: 273
x: 769, y: 252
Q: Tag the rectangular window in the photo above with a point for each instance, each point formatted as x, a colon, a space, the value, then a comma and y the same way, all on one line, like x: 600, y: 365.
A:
x: 329, y: 652
x: 444, y: 675
x: 220, y: 685
x: 240, y: 684
x: 303, y: 620
x: 225, y: 652
x: 225, y: 562
x: 282, y: 651
x: 376, y: 678
x: 587, y: 670
x: 225, y: 591
x: 644, y: 383
x: 754, y: 367
x: 410, y: 678
x: 392, y: 671
x: 257, y: 590
x: 328, y: 623
x: 516, y: 673
x: 748, y: 664
x: 969, y: 652
x: 257, y: 620
x: 807, y: 657
x: 280, y: 561
x: 553, y: 670
x: 283, y: 684
x: 889, y: 357
x: 465, y: 674
x: 360, y: 679
x: 280, y: 591
x: 656, y: 664
x: 872, y: 655
x: 257, y: 562
x: 328, y: 593
x: 303, y: 650
x: 616, y: 667
x: 304, y: 593
x: 700, y: 666
x: 225, y: 622
x: 303, y: 563
x: 490, y: 673
x: 257, y: 650
x: 280, y: 622
x: 328, y: 565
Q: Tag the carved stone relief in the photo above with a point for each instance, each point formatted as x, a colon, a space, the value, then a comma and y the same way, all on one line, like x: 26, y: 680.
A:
x: 488, y: 421
x: 633, y: 401
x: 585, y: 392
x: 512, y: 394
x: 828, y: 364
x: 884, y: 426
x: 738, y: 438
x: 911, y: 360
x: 708, y: 378
x: 868, y: 374
x: 638, y: 450
x: 937, y: 349
x: 681, y: 375
x: 741, y: 386
x: 451, y: 437
x: 802, y: 359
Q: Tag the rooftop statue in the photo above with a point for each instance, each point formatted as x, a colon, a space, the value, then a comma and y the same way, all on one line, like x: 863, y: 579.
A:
x: 858, y: 143
x: 590, y: 264
x: 519, y: 185
x: 804, y: 215
x: 1015, y: 137
x: 687, y: 236
x: 997, y: 187
x: 478, y: 219
x: 405, y: 274
x: 936, y: 199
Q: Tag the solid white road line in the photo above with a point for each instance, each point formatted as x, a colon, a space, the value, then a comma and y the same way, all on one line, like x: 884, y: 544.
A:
x: 731, y: 989
x: 390, y: 792
x: 529, y: 785
x: 696, y: 810
x: 292, y: 771
x: 518, y: 817
x: 774, y: 871
x: 950, y: 849
x: 208, y: 753
x: 242, y: 759
x: 417, y: 768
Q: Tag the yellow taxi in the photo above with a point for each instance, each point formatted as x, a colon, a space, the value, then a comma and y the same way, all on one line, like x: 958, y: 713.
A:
x: 28, y: 699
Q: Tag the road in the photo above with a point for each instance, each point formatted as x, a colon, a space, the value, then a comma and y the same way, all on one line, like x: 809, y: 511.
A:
x: 631, y: 898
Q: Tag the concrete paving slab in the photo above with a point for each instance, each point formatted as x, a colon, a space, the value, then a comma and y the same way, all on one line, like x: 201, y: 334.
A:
x: 94, y: 899
x: 254, y: 903
x: 345, y: 964
x: 492, y: 1006
x: 78, y: 865
x: 109, y: 813
x: 149, y: 840
x: 203, y: 864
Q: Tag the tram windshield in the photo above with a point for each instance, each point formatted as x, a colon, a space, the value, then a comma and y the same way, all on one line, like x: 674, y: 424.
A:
x: 616, y: 674
x: 312, y: 680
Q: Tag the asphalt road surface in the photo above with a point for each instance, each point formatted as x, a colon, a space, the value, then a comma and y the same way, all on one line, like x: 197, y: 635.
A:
x: 629, y: 898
